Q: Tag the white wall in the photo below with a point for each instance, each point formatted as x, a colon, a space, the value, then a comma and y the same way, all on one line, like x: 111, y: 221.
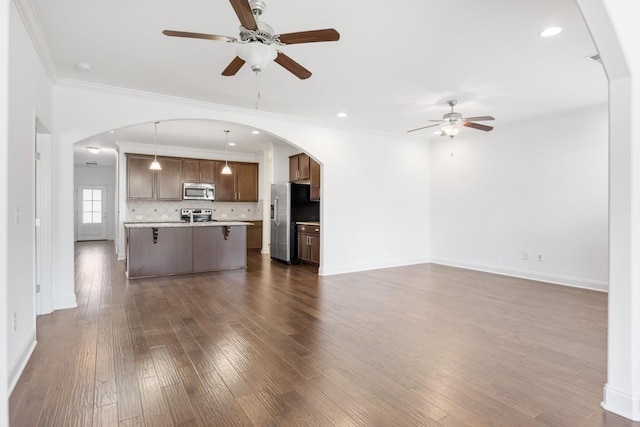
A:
x: 281, y: 155
x: 100, y: 175
x: 4, y: 187
x: 30, y: 96
x: 539, y: 188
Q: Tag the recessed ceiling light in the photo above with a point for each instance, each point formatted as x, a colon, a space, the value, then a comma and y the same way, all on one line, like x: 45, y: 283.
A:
x: 232, y: 144
x: 342, y: 114
x: 93, y: 150
x: 255, y: 132
x: 112, y: 131
x: 550, y: 32
x: 83, y: 67
x: 437, y: 132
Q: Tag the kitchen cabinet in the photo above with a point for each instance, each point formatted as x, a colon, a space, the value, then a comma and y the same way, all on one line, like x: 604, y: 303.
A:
x: 254, y: 236
x: 158, y: 251
x: 140, y: 179
x: 299, y: 168
x: 169, y: 179
x: 314, y: 174
x: 219, y: 248
x: 240, y: 186
x: 146, y: 184
x: 165, y: 250
x: 309, y: 243
x: 199, y: 170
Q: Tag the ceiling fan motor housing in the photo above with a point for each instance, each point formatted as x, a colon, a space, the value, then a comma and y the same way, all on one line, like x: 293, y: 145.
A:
x: 453, y: 117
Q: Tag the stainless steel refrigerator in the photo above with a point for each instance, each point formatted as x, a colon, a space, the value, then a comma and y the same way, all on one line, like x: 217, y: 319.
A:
x: 289, y: 204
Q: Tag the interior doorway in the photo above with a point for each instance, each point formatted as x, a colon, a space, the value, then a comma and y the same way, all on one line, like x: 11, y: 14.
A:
x: 91, y: 212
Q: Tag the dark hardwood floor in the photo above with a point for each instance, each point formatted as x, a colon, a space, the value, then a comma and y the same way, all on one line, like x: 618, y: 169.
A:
x: 276, y: 345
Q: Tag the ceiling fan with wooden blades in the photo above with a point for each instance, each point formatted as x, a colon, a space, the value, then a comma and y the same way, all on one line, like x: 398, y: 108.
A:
x: 257, y: 41
x: 452, y: 122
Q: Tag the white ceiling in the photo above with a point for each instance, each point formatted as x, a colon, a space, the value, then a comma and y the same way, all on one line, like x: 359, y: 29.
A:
x: 395, y: 66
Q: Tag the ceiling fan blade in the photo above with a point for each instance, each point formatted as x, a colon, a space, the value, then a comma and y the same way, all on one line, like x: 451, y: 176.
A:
x: 233, y: 67
x: 289, y: 64
x: 423, y: 127
x: 172, y: 33
x: 243, y: 10
x: 439, y: 121
x: 477, y: 126
x: 327, y: 35
x: 478, y: 119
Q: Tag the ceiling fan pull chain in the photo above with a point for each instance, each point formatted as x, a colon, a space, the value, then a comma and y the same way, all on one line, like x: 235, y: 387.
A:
x: 257, y: 88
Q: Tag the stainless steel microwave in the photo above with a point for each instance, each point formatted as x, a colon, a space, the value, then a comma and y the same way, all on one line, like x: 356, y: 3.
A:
x: 198, y: 191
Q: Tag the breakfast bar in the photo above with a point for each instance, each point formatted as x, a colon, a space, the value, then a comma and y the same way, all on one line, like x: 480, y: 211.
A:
x: 167, y: 248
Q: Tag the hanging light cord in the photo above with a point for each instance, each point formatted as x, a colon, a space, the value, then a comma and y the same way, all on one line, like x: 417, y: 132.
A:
x: 155, y: 140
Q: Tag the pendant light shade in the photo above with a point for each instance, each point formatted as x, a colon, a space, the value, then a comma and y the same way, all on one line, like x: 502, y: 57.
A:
x: 155, y: 165
x: 226, y: 170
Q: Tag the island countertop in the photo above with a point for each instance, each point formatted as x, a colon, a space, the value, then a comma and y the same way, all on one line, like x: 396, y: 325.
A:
x: 185, y: 224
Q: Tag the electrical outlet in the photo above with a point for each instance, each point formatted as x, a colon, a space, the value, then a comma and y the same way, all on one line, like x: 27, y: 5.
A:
x: 539, y: 257
x: 525, y: 256
x: 17, y: 214
x: 165, y: 216
x: 138, y: 216
x: 223, y: 215
x: 243, y: 215
x: 15, y: 322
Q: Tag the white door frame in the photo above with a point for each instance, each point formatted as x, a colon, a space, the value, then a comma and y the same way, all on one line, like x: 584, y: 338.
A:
x: 43, y: 221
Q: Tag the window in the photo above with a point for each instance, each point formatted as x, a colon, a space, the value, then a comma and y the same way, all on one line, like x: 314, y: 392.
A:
x: 91, y: 206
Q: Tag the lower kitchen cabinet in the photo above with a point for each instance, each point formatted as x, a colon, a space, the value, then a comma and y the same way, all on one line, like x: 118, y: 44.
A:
x: 158, y: 251
x: 309, y: 243
x: 219, y: 248
x: 254, y: 236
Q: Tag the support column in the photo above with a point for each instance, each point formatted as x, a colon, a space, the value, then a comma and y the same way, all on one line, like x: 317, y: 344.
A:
x: 613, y: 25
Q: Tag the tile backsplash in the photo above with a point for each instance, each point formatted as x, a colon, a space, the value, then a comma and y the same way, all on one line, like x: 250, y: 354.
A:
x: 170, y: 211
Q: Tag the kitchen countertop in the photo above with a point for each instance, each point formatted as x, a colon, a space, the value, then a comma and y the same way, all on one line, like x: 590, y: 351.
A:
x: 184, y: 224
x: 313, y: 223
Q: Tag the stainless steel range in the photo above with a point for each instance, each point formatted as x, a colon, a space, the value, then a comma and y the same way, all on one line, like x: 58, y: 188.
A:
x: 196, y: 215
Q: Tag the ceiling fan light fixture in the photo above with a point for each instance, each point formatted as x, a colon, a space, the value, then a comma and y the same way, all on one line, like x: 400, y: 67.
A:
x: 256, y: 54
x: 451, y: 129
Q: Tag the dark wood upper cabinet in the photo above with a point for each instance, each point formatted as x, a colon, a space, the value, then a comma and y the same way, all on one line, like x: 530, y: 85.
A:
x: 299, y: 169
x: 240, y: 186
x: 199, y: 170
x: 169, y: 179
x: 246, y: 178
x: 140, y: 179
x: 314, y: 167
x: 225, y: 184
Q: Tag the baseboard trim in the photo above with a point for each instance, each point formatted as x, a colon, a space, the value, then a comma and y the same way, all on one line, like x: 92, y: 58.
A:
x: 23, y: 359
x: 574, y: 282
x: 621, y: 403
x: 323, y: 271
x: 66, y: 301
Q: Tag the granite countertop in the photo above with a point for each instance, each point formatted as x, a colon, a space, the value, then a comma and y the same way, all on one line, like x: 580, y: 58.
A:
x: 184, y: 224
x: 314, y: 223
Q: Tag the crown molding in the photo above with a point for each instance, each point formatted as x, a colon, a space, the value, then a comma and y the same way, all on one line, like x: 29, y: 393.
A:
x: 38, y: 38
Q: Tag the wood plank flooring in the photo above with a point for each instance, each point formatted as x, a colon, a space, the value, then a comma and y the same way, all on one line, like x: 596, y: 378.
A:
x: 276, y: 345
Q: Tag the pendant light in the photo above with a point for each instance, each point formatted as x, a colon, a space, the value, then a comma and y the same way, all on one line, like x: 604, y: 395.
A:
x: 226, y: 170
x: 155, y: 166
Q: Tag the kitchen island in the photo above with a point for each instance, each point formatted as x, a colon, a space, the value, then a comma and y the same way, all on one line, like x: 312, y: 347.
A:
x: 166, y: 248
